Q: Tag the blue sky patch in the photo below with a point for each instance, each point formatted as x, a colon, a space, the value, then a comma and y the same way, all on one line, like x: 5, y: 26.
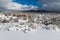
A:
x: 28, y: 2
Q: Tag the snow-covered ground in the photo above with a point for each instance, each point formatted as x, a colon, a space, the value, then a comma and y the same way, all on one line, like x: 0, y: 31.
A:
x: 38, y: 35
x: 31, y: 24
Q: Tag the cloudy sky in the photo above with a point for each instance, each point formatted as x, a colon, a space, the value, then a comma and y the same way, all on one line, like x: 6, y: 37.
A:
x: 22, y: 5
x: 53, y: 5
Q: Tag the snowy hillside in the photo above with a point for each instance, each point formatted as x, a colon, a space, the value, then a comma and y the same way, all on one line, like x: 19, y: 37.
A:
x: 29, y: 22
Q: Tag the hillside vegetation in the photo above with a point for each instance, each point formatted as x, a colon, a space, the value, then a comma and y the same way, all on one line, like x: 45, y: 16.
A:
x: 29, y: 21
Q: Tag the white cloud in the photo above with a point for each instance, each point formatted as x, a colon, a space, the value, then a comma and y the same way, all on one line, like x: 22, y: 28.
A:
x: 52, y: 5
x: 9, y: 4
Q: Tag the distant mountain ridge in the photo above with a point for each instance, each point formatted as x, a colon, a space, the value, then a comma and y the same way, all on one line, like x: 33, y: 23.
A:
x: 4, y: 10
